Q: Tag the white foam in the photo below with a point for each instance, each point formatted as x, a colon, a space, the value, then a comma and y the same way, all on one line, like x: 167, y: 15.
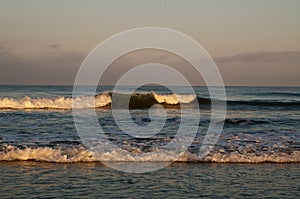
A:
x: 173, y: 98
x: 79, y: 154
x: 56, y: 103
x: 46, y: 154
x: 236, y: 157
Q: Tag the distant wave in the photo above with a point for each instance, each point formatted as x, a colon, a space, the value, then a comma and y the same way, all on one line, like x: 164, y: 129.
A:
x: 79, y: 154
x: 265, y: 103
x: 278, y: 94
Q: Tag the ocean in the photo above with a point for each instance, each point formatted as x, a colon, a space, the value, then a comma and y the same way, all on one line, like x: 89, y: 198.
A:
x: 256, y: 155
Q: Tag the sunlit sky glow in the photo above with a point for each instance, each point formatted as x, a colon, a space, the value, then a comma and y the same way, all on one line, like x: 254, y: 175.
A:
x: 253, y: 42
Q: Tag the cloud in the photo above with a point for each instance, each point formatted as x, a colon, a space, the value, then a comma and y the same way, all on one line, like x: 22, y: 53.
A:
x: 60, y: 67
x: 260, y: 56
x: 53, y: 46
x: 261, y: 68
x: 48, y: 68
x: 5, y: 48
x: 135, y: 58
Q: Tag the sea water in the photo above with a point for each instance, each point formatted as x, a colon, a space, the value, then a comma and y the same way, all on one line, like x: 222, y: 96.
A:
x: 42, y: 155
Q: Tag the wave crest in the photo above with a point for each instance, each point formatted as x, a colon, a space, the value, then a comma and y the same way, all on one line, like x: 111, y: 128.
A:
x: 173, y: 98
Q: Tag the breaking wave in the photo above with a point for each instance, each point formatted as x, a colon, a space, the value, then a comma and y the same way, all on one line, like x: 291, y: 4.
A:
x: 137, y: 100
x: 80, y: 154
x: 56, y: 103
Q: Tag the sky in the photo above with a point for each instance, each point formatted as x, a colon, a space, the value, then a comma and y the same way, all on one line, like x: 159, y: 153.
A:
x: 253, y: 42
